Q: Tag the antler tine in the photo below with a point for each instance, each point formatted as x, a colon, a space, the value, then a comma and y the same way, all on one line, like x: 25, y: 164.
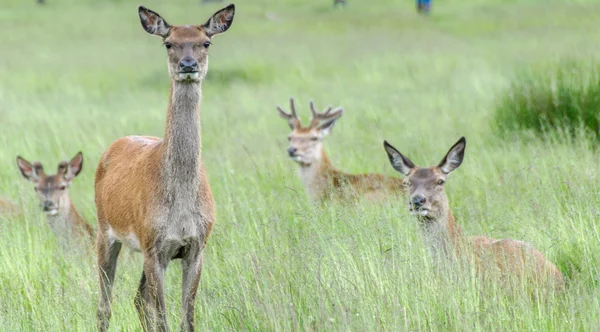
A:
x: 293, y: 108
x: 317, y: 117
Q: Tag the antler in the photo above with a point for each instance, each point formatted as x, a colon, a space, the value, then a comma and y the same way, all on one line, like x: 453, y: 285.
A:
x: 292, y: 117
x: 325, y: 115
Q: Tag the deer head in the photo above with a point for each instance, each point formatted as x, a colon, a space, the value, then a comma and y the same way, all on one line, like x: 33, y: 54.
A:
x: 427, y: 197
x: 52, y: 190
x: 187, y: 45
x: 306, y: 142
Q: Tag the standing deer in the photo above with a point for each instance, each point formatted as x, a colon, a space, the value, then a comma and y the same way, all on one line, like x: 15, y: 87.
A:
x: 321, y: 180
x: 153, y: 194
x: 53, y: 192
x: 429, y: 203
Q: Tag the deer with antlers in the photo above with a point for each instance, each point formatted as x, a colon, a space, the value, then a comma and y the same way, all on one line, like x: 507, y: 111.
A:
x: 152, y: 194
x: 53, y: 193
x: 321, y: 180
x: 512, y: 259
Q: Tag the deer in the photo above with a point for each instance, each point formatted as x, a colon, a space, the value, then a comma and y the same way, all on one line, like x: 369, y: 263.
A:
x: 321, y: 180
x: 53, y: 193
x: 428, y: 202
x: 153, y: 194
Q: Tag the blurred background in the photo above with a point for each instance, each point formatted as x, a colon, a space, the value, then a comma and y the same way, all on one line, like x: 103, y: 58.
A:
x: 518, y: 78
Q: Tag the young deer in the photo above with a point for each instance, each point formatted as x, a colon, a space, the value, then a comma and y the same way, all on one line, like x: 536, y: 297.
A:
x: 152, y: 194
x: 8, y: 208
x: 428, y: 201
x: 321, y: 180
x: 53, y: 192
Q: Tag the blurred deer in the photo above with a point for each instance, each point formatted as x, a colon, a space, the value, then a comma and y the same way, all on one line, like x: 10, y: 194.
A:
x: 429, y: 203
x: 53, y: 193
x: 321, y: 180
x: 7, y: 207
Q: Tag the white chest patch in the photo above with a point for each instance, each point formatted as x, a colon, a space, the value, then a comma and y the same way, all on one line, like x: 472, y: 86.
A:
x: 128, y: 239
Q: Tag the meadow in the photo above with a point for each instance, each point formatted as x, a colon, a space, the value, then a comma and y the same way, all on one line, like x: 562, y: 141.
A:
x: 76, y: 75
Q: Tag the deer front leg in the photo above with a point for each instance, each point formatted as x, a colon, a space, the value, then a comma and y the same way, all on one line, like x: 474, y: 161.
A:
x: 191, y: 272
x: 150, y: 298
x: 108, y: 253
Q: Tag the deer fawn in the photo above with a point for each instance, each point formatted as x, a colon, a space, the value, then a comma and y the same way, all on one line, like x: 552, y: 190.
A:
x: 428, y: 201
x: 321, y: 180
x: 152, y: 194
x: 53, y: 192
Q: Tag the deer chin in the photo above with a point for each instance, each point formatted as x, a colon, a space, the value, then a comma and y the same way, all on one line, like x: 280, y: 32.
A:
x: 52, y: 212
x: 420, y: 212
x: 191, y: 76
x: 299, y: 160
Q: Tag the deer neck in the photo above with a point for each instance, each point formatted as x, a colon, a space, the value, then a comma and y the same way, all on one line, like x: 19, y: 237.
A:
x: 66, y: 216
x: 182, y: 143
x: 315, y: 176
x: 442, y: 235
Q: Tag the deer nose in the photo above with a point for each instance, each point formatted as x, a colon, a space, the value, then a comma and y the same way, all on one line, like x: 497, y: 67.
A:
x: 418, y: 201
x: 291, y: 151
x: 188, y: 64
x: 47, y: 206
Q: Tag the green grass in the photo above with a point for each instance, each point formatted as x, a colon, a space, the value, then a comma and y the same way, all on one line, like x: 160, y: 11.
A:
x: 76, y: 75
x: 563, y: 97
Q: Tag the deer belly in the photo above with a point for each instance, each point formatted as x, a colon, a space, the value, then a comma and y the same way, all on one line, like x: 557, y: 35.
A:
x: 128, y: 239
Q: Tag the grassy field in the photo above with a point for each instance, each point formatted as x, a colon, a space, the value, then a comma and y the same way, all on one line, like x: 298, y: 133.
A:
x: 76, y: 75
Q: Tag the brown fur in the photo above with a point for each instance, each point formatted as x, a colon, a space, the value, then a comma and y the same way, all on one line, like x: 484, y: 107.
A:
x: 8, y: 207
x: 53, y: 193
x: 152, y: 194
x: 321, y: 180
x: 510, y: 260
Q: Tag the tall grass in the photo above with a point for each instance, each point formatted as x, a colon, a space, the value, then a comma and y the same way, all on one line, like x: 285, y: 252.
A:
x: 563, y: 97
x: 78, y: 74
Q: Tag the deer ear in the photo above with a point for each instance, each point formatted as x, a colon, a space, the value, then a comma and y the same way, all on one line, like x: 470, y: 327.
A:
x: 220, y: 21
x: 74, y: 167
x: 152, y: 22
x: 29, y: 171
x: 399, y: 162
x: 454, y: 157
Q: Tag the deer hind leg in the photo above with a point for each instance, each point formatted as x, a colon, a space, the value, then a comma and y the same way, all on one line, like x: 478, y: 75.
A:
x: 108, y: 253
x: 150, y: 298
x: 191, y: 272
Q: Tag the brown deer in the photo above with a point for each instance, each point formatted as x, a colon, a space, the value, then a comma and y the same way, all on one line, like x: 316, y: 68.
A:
x: 153, y: 194
x: 8, y: 208
x: 321, y: 180
x: 53, y: 192
x: 428, y: 201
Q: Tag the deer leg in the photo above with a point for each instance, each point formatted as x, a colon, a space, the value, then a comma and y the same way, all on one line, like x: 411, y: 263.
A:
x: 191, y: 272
x: 108, y: 253
x: 150, y: 298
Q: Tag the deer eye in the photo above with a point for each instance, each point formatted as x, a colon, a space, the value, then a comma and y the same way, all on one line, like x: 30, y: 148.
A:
x: 168, y: 45
x: 62, y: 187
x: 206, y: 44
x: 440, y: 182
x: 314, y: 138
x: 289, y: 139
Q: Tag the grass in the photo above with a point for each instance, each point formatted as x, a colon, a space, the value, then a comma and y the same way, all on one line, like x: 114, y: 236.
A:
x: 76, y: 75
x: 564, y: 97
